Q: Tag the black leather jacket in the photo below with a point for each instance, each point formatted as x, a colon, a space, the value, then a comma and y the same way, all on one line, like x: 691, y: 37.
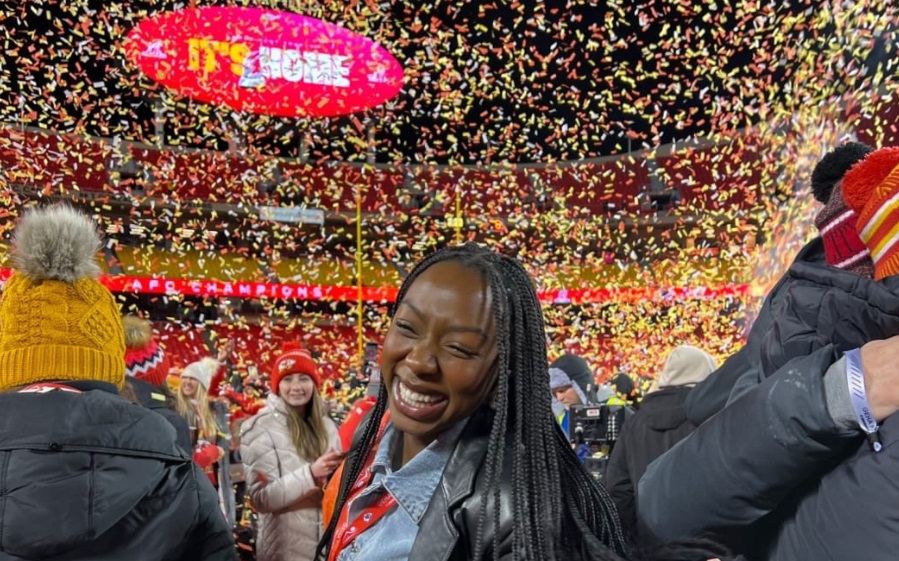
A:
x: 448, y: 528
x: 450, y: 523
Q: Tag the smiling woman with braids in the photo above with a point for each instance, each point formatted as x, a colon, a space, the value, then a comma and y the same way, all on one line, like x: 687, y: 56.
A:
x: 461, y: 457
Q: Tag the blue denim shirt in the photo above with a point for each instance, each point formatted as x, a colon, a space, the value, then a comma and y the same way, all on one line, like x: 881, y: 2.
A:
x: 413, y: 485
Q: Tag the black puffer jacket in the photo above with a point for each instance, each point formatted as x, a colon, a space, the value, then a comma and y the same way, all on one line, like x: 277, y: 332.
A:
x: 92, y: 476
x: 822, y: 305
x: 148, y: 396
x: 775, y: 458
x: 716, y: 391
x: 660, y: 423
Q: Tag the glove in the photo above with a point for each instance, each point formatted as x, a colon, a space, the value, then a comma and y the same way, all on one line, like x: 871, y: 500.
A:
x: 583, y: 451
x: 207, y: 453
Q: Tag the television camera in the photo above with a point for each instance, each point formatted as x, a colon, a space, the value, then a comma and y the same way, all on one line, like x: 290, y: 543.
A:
x: 596, y: 428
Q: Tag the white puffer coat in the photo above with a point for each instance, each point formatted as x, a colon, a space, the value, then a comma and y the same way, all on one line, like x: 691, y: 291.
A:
x: 289, y: 505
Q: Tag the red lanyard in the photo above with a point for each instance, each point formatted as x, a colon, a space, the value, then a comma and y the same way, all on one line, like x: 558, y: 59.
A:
x: 347, y: 531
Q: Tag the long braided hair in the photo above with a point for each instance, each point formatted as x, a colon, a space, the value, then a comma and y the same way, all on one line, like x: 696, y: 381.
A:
x: 559, y: 510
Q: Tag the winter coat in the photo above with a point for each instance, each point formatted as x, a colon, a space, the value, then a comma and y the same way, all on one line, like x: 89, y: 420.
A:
x: 148, y: 396
x: 93, y: 476
x: 660, y: 423
x: 775, y: 458
x: 289, y: 505
x: 726, y: 384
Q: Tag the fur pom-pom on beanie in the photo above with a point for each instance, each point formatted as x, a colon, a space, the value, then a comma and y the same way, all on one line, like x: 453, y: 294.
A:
x: 202, y: 371
x: 57, y: 322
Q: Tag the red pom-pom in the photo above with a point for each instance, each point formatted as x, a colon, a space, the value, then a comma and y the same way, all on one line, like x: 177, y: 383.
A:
x: 862, y: 179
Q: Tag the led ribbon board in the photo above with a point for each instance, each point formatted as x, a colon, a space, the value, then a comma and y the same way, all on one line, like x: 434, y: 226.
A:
x: 264, y: 61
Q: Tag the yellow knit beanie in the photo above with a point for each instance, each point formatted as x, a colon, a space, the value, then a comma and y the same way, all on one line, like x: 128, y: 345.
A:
x: 57, y: 322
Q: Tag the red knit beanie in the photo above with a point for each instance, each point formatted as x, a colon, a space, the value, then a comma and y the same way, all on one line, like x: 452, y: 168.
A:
x: 871, y: 188
x: 843, y: 248
x: 294, y: 359
x: 144, y: 358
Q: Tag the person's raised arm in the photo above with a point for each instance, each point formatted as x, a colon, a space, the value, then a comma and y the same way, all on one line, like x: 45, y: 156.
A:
x: 743, y: 462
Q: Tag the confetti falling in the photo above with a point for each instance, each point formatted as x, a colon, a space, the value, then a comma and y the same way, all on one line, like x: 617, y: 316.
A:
x: 539, y: 129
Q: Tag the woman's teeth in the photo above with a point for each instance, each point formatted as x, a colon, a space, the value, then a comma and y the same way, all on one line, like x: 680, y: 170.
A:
x: 414, y: 398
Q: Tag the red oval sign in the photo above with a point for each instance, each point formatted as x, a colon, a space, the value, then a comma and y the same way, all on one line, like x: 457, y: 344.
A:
x: 264, y: 61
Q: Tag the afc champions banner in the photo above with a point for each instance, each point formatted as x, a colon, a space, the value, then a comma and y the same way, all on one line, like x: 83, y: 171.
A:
x: 264, y: 61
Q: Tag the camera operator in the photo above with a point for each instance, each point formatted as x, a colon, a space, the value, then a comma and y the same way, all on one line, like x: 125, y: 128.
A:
x: 567, y: 392
x: 591, y: 419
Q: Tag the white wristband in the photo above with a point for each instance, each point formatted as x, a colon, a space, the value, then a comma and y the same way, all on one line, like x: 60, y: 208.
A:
x: 855, y: 377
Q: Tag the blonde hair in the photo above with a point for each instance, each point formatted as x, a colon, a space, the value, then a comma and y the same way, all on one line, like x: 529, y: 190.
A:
x: 308, y: 432
x: 199, y: 415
